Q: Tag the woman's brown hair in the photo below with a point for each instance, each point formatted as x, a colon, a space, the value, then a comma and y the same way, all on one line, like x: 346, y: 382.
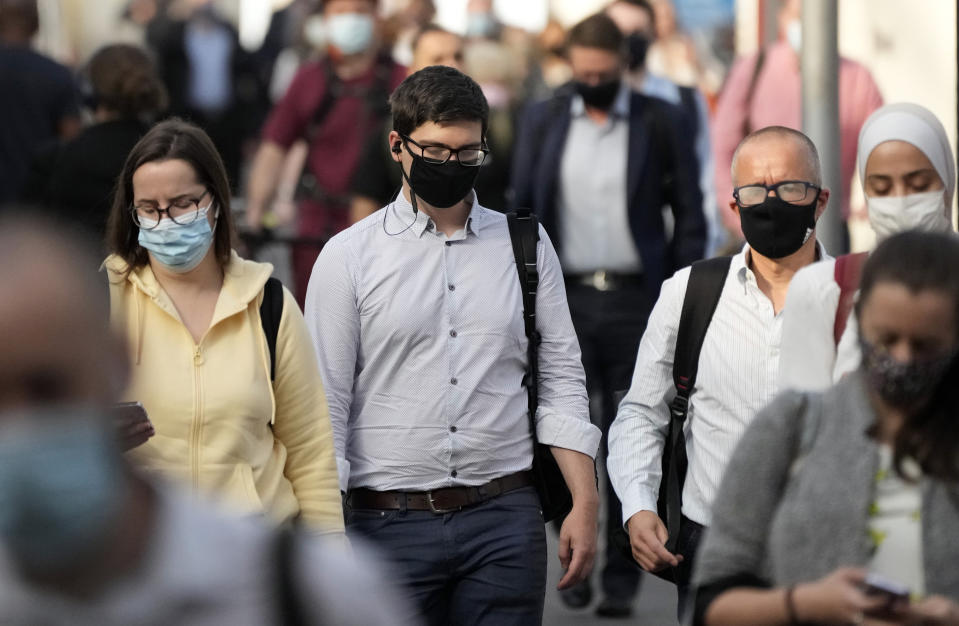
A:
x: 171, y: 139
x: 924, y: 262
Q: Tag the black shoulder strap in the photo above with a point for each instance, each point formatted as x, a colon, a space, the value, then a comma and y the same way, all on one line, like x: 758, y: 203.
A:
x: 332, y: 86
x: 271, y: 311
x: 706, y: 280
x: 524, y: 235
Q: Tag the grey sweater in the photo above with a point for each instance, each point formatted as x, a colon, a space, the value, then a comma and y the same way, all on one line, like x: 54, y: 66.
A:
x: 794, y: 503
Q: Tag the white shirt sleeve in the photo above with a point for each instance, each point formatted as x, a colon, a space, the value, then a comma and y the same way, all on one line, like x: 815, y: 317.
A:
x: 334, y: 322
x: 808, y: 349
x: 637, y: 436
x: 848, y: 354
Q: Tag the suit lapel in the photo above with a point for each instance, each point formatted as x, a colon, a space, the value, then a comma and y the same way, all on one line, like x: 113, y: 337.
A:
x: 639, y: 145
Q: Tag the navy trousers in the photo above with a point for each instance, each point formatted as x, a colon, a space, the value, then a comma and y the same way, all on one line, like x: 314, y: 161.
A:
x: 483, y: 565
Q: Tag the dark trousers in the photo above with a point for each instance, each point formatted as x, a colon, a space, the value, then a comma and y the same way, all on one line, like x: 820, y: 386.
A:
x: 690, y: 534
x: 609, y: 325
x: 483, y: 565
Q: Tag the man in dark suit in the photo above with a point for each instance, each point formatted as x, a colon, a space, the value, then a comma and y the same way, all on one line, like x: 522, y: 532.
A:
x: 598, y: 163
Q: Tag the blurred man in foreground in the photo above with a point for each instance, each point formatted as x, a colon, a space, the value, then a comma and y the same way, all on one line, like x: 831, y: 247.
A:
x: 83, y: 538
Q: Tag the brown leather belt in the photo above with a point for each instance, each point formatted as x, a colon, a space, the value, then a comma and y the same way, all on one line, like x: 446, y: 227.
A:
x: 446, y: 500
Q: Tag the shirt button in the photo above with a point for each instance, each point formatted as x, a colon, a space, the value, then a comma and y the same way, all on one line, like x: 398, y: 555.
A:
x: 452, y: 429
x: 449, y: 243
x: 453, y: 381
x: 452, y: 287
x: 453, y: 473
x: 452, y: 333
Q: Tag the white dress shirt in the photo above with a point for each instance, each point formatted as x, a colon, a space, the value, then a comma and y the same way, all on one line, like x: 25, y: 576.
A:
x: 422, y: 351
x: 811, y: 360
x: 592, y: 202
x: 738, y: 375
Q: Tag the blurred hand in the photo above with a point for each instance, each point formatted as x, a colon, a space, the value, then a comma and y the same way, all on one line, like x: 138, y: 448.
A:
x: 839, y: 599
x: 577, y: 543
x: 934, y: 611
x: 647, y: 538
x: 133, y: 434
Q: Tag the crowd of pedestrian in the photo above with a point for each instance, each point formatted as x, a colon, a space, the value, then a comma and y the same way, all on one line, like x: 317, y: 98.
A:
x: 531, y: 279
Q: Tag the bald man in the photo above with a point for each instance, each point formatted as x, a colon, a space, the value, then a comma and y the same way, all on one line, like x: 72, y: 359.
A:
x: 84, y: 539
x: 778, y: 197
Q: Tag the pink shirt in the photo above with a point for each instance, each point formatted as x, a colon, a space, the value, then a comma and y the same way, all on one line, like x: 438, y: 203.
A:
x: 777, y: 100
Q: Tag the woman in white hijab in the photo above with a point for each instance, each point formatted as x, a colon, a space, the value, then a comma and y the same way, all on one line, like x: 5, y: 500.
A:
x: 908, y: 175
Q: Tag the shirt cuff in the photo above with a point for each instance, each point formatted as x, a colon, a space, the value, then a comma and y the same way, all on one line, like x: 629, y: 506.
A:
x: 343, y: 469
x: 636, y: 503
x: 564, y: 431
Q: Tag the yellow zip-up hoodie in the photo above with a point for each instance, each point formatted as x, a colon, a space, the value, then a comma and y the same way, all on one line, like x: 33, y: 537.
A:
x: 221, y: 426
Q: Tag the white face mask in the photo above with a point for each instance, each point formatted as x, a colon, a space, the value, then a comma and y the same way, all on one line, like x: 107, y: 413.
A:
x: 925, y: 211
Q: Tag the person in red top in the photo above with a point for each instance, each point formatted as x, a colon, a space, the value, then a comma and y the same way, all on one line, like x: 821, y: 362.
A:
x: 333, y: 104
x: 766, y: 90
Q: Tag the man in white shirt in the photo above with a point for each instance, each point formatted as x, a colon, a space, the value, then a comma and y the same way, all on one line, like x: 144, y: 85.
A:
x: 417, y: 317
x: 778, y: 197
x: 83, y: 538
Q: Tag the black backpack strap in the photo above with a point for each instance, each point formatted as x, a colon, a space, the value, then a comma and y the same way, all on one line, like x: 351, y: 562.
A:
x: 706, y: 281
x: 271, y: 312
x: 524, y: 235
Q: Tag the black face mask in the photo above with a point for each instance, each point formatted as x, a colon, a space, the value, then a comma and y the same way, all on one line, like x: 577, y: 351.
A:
x: 599, y: 96
x: 902, y: 385
x: 776, y: 228
x: 441, y: 185
x: 638, y: 45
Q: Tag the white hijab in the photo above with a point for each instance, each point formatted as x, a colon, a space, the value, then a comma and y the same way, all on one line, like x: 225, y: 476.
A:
x: 914, y: 124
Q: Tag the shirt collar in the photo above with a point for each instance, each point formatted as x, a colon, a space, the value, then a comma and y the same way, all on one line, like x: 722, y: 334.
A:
x: 402, y: 210
x: 620, y: 108
x: 740, y: 262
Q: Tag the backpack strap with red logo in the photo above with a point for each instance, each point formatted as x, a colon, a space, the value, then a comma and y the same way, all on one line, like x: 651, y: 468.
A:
x: 847, y: 273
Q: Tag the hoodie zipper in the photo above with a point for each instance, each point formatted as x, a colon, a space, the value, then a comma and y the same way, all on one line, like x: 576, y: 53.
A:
x: 197, y: 417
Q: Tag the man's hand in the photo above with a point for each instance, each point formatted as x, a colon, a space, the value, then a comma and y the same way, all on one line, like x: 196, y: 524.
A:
x: 647, y: 539
x: 577, y: 543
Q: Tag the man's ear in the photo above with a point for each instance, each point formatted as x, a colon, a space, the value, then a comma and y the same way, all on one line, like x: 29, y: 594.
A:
x: 734, y: 208
x: 822, y: 203
x: 396, y: 146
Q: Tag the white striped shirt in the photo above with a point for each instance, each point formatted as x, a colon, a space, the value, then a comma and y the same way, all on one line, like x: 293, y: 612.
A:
x: 738, y: 375
x: 422, y: 351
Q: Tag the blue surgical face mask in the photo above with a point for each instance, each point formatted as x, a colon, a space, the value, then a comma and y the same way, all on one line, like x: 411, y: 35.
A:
x: 60, y: 486
x: 180, y: 248
x: 351, y: 33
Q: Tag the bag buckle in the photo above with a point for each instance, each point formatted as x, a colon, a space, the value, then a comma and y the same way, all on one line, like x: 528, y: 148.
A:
x: 433, y: 509
x: 679, y: 406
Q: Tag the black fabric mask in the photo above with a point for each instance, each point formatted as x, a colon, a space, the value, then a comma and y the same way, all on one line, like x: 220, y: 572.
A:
x: 902, y: 385
x: 440, y: 185
x: 599, y: 96
x: 638, y: 45
x: 776, y: 228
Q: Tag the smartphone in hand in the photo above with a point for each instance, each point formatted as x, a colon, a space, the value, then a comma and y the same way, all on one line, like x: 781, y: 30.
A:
x: 897, y: 595
x: 132, y: 424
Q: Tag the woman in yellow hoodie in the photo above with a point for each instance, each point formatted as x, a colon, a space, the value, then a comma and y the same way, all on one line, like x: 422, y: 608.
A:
x: 190, y: 309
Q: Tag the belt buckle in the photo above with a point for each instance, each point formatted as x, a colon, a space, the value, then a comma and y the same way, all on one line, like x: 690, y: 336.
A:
x: 601, y: 281
x: 433, y: 509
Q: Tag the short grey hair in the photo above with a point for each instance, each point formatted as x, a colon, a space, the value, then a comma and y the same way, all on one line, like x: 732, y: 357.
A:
x: 782, y: 132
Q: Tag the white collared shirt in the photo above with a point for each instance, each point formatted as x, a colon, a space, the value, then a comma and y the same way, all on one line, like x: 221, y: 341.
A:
x: 422, y: 351
x: 592, y: 198
x: 738, y: 375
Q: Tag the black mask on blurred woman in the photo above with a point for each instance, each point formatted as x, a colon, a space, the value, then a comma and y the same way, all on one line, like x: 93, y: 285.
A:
x: 599, y: 96
x: 637, y: 46
x: 776, y: 228
x: 902, y: 385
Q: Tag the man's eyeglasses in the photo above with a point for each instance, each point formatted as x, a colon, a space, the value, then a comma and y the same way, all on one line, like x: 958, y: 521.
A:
x: 792, y: 191
x: 437, y: 155
x: 182, y: 211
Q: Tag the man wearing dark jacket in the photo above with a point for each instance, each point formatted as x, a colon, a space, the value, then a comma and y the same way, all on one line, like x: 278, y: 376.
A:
x: 598, y: 163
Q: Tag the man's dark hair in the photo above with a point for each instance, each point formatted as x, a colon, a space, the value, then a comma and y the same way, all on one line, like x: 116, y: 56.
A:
x: 437, y: 94
x: 21, y: 16
x: 596, y: 31
x: 922, y: 261
x: 168, y: 140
